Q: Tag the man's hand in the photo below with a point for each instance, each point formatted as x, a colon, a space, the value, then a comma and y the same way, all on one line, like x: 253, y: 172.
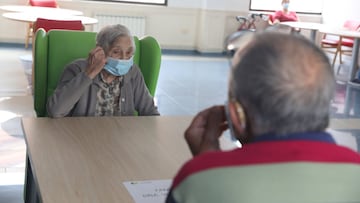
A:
x: 96, y: 62
x: 204, y: 131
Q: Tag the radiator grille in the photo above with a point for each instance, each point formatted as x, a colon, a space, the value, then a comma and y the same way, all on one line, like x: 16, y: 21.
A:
x: 136, y: 24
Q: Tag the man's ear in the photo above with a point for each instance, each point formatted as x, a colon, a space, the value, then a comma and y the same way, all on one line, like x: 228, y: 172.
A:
x: 237, y: 116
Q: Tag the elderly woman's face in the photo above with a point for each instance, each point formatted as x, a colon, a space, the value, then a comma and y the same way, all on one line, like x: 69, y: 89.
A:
x: 122, y: 48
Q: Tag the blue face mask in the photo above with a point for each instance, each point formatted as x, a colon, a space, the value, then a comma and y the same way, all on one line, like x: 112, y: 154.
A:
x: 118, y: 67
x: 285, y: 6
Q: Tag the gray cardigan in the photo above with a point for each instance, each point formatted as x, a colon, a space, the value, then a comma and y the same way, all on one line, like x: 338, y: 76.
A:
x: 76, y: 93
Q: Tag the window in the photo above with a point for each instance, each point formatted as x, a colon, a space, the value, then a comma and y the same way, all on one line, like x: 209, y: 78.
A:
x: 300, y: 6
x: 154, y: 2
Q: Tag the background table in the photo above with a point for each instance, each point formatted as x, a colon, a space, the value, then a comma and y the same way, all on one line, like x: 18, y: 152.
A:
x: 313, y: 27
x: 88, y: 159
x: 31, y: 17
x: 38, y: 9
x: 347, y: 33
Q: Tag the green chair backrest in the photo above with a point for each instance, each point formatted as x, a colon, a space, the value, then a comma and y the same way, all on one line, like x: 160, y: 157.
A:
x: 57, y: 48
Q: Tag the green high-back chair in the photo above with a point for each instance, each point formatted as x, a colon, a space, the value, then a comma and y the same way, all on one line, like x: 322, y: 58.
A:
x: 57, y: 48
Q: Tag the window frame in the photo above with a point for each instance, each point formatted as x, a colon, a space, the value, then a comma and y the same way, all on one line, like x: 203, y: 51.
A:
x: 133, y: 2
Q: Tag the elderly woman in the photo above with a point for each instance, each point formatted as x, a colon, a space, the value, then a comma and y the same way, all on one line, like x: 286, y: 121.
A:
x: 107, y: 83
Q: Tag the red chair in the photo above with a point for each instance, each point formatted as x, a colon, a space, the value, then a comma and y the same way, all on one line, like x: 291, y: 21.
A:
x: 44, y: 3
x: 40, y: 3
x: 340, y: 45
x: 47, y: 24
x: 271, y: 18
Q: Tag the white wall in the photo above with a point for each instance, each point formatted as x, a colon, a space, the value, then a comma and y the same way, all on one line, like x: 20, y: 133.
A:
x: 336, y: 12
x: 186, y: 3
x: 228, y: 5
x: 184, y: 24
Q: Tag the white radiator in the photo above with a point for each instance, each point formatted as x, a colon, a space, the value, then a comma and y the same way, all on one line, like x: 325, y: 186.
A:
x: 136, y: 24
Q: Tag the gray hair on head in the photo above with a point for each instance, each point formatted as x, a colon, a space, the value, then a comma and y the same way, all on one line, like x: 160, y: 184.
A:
x: 108, y: 34
x: 285, y: 83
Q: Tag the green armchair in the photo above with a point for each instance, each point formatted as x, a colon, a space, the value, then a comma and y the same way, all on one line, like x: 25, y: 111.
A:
x: 55, y: 49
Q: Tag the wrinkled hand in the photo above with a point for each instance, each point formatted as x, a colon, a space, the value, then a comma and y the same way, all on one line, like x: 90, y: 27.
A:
x: 96, y: 62
x: 204, y: 131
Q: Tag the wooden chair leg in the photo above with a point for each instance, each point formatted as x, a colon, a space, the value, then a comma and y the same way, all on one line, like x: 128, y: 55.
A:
x: 339, y: 49
x: 340, y: 56
x: 334, y: 59
x: 29, y: 35
x: 26, y: 41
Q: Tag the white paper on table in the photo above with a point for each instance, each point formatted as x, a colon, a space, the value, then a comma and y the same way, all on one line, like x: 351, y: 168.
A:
x: 148, y: 191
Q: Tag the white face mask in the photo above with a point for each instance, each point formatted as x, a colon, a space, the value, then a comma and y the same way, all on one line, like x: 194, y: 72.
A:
x: 118, y: 67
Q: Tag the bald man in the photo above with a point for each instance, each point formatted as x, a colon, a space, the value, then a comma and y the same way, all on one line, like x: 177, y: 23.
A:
x: 279, y: 97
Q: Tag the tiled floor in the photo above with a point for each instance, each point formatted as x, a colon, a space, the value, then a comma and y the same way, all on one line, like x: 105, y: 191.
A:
x: 15, y: 102
x: 186, y: 85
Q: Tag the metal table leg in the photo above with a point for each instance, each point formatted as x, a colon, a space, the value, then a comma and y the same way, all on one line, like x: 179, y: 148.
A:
x: 30, y: 188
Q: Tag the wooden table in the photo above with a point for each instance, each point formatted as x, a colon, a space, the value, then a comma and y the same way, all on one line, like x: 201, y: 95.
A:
x: 313, y: 27
x: 88, y: 159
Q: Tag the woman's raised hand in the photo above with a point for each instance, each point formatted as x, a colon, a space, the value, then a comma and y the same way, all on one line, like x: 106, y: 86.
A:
x: 96, y: 62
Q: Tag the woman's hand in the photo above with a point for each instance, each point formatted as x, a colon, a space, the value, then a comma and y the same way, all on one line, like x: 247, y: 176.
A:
x: 204, y: 131
x: 96, y: 62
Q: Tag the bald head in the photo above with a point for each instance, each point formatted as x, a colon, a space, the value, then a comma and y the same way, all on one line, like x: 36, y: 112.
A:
x: 285, y: 82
